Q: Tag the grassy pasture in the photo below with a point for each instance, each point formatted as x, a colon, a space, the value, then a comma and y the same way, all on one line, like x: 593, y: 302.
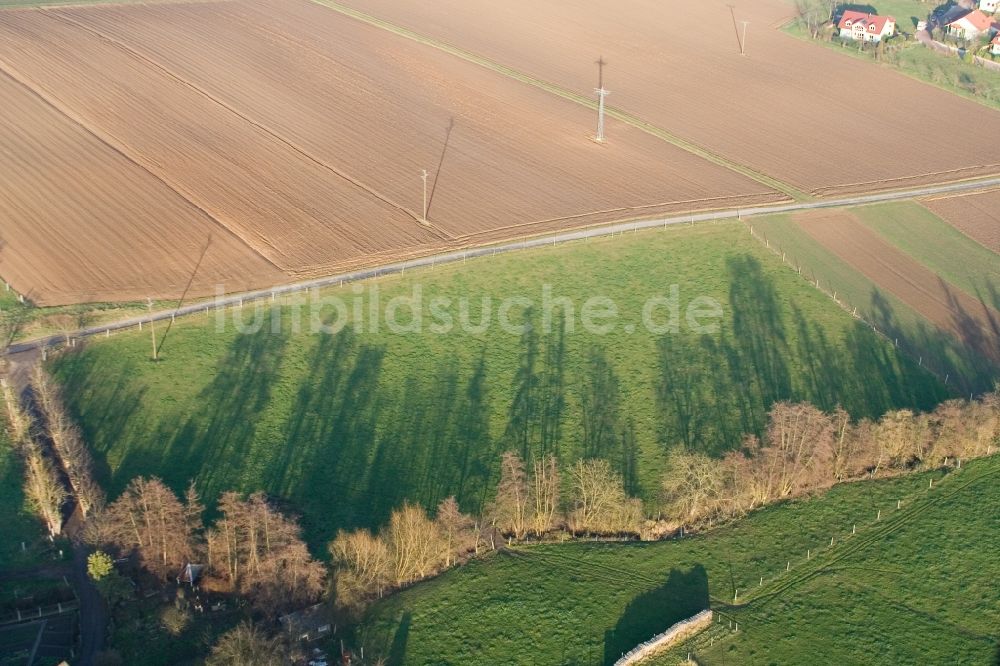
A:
x: 924, y: 573
x: 928, y: 240
x: 19, y: 525
x: 347, y: 426
x: 919, y: 592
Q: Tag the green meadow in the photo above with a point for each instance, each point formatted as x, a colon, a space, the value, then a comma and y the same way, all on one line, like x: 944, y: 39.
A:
x: 19, y: 525
x: 346, y: 425
x: 914, y: 585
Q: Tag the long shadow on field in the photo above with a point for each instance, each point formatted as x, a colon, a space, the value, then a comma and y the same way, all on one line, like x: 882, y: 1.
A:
x: 553, y: 388
x: 358, y: 442
x: 535, y: 418
x: 685, y: 593
x: 600, y: 407
x: 937, y: 350
x: 714, y: 389
x: 604, y: 432
x: 522, y: 420
x: 329, y: 434
x: 978, y: 331
x: 440, y: 166
x: 216, y: 441
x: 107, y: 408
x: 436, y: 443
x: 397, y: 651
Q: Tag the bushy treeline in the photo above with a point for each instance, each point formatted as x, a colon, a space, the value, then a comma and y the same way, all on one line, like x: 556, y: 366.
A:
x: 414, y: 546
x: 803, y: 450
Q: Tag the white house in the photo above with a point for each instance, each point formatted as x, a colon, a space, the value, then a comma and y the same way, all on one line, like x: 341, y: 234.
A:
x: 972, y: 26
x: 989, y: 6
x: 995, y: 45
x: 862, y: 27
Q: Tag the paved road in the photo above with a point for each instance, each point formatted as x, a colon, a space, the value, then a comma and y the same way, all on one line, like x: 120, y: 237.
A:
x: 462, y: 255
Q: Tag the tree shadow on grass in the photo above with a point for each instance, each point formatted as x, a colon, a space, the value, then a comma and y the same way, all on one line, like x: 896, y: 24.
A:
x: 685, y: 593
x: 397, y: 651
x: 107, y: 408
x: 215, y: 442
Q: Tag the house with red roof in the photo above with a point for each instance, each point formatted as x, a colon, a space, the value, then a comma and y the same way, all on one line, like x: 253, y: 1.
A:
x: 971, y: 26
x: 862, y: 27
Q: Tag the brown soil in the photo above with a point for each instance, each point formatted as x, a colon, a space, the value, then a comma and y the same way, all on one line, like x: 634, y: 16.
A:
x: 298, y: 135
x: 804, y: 114
x: 975, y: 215
x: 940, y: 302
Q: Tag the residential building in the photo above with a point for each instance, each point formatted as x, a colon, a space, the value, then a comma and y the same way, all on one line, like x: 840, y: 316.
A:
x: 995, y: 46
x: 971, y: 27
x: 862, y: 27
x: 989, y: 6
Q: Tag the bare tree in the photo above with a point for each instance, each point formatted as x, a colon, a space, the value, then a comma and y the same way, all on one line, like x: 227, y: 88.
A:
x: 544, y: 505
x: 20, y: 422
x: 247, y: 645
x: 149, y: 519
x: 799, y: 448
x: 457, y: 530
x: 510, y: 508
x: 68, y: 444
x: 364, y: 566
x: 261, y: 553
x: 815, y: 14
x: 600, y: 505
x: 692, y: 486
x: 414, y: 542
x: 44, y: 491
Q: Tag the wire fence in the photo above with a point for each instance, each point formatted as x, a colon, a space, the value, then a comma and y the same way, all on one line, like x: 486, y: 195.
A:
x: 932, y: 365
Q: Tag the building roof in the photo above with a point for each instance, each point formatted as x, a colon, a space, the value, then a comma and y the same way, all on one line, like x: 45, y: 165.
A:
x: 976, y: 19
x: 996, y: 40
x: 871, y: 22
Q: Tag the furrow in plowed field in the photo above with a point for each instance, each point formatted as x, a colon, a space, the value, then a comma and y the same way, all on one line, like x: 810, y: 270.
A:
x: 802, y: 114
x: 305, y: 132
x: 80, y: 222
x: 975, y: 215
x: 947, y: 307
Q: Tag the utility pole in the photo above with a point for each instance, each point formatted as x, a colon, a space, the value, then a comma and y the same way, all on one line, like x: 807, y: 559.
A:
x: 152, y: 327
x: 424, y: 209
x: 743, y: 42
x: 601, y: 94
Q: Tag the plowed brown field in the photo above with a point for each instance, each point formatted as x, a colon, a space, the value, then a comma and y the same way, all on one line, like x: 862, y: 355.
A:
x: 975, y: 215
x: 304, y: 133
x: 940, y: 302
x: 803, y: 114
x: 80, y: 222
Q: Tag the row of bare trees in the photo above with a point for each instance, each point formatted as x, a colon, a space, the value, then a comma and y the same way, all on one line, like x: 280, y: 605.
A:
x: 67, y: 444
x: 529, y: 504
x: 410, y: 548
x: 413, y: 546
x: 805, y: 449
x: 43, y: 487
x: 252, y: 548
x: 53, y: 452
